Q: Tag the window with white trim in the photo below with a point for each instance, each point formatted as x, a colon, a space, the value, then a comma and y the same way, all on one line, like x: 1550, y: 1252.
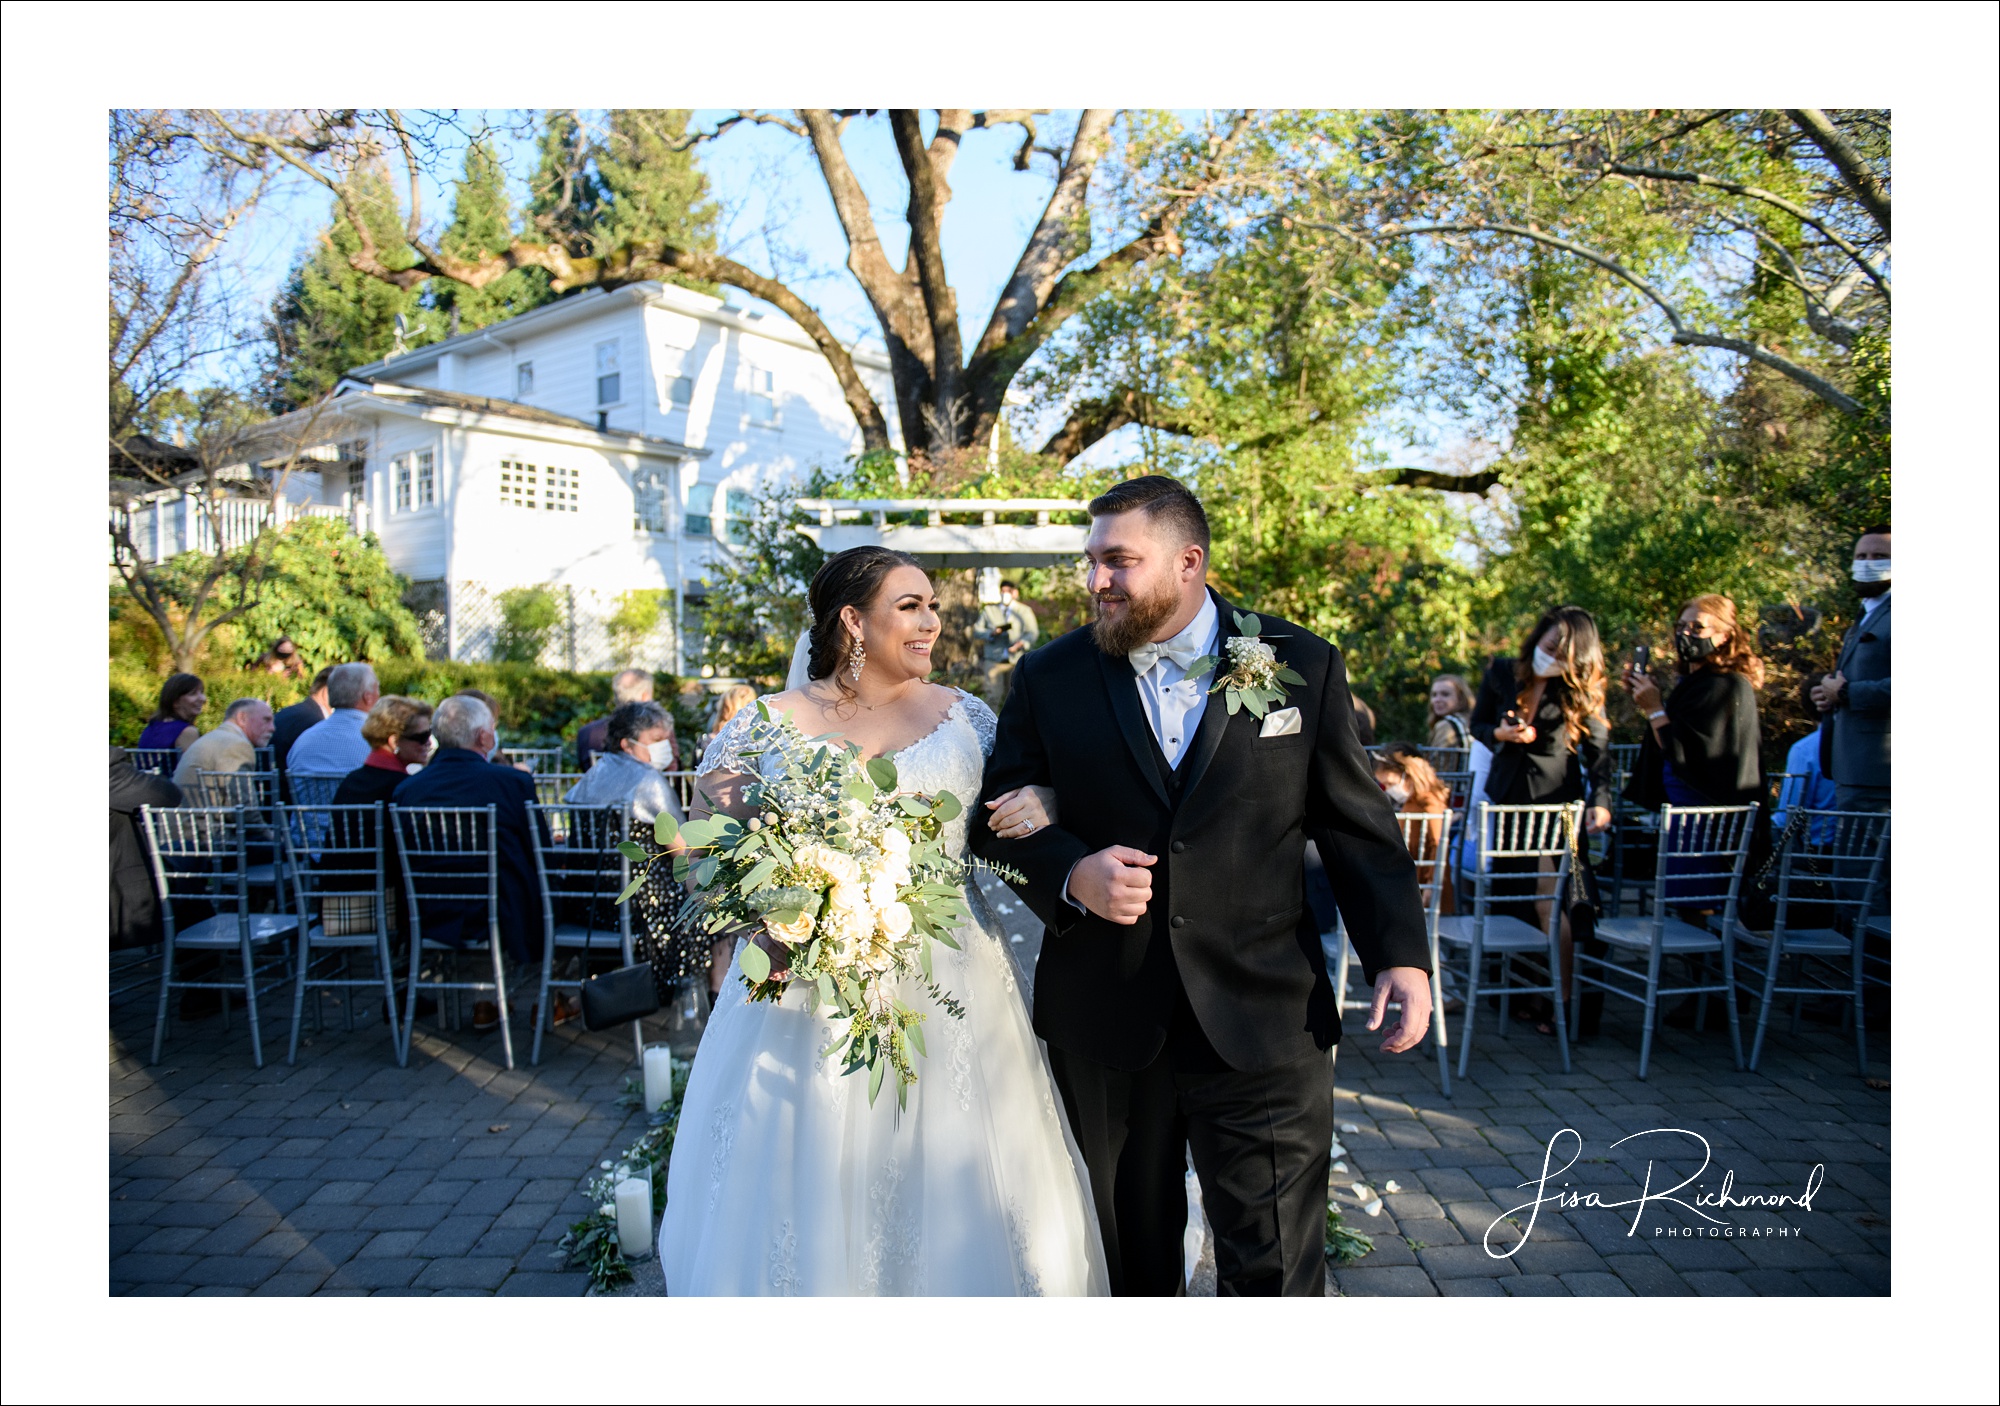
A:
x: 738, y: 507
x: 700, y: 521
x: 524, y: 380
x: 548, y: 487
x: 426, y: 479
x: 763, y: 398
x: 649, y: 499
x: 607, y: 373
x: 400, y: 475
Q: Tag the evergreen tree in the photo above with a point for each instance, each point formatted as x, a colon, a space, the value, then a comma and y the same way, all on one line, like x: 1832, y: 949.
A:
x: 329, y: 318
x: 649, y: 190
x: 481, y: 224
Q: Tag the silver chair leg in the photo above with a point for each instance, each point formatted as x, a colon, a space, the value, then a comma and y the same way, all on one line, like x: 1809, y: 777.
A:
x: 1652, y: 1007
x: 299, y: 989
x: 1472, y: 967
x: 1729, y: 999
x: 1439, y: 1037
x: 166, y: 985
x: 249, y: 1003
x: 500, y: 993
x: 1772, y: 965
x: 544, y: 1017
x: 385, y: 964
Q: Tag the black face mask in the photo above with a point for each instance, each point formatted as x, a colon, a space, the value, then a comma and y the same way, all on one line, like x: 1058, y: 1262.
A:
x: 1694, y: 648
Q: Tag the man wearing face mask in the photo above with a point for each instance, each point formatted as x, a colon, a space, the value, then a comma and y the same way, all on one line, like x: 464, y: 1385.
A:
x: 638, y: 748
x: 1853, y: 700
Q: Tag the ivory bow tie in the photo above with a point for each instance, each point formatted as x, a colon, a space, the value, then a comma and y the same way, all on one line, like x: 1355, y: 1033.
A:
x: 1179, y: 649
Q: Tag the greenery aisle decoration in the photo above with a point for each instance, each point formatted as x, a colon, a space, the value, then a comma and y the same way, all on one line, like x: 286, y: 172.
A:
x: 592, y: 1242
x: 1343, y: 1246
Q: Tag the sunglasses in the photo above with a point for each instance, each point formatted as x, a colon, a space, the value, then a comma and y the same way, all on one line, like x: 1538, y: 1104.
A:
x: 417, y: 737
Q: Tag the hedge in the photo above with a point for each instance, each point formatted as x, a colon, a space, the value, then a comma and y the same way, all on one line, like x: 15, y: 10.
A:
x: 538, y: 707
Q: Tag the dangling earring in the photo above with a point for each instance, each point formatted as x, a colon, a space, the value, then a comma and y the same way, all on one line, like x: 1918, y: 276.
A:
x: 856, y: 657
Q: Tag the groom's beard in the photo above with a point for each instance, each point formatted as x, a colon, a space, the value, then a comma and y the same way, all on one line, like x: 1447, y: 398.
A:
x: 1141, y: 619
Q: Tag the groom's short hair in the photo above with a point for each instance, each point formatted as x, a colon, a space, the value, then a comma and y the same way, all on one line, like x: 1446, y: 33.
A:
x: 1165, y: 501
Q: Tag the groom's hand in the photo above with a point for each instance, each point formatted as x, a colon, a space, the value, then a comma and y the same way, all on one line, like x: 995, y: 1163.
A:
x: 1116, y: 883
x: 1410, y: 987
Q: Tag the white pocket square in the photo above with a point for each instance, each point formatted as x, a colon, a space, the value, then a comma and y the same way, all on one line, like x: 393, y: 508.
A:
x: 1282, y: 723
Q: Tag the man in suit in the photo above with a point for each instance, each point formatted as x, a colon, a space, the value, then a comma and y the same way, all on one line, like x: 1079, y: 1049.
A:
x: 232, y: 746
x: 459, y: 775
x: 629, y: 686
x: 1181, y: 987
x: 1853, y: 700
x: 296, y: 719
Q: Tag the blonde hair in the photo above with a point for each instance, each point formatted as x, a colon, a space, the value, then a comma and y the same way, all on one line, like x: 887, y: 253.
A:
x: 732, y: 702
x: 1460, y: 690
x: 391, y: 718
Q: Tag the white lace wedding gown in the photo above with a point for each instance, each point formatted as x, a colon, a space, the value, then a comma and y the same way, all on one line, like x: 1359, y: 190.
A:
x: 785, y: 1180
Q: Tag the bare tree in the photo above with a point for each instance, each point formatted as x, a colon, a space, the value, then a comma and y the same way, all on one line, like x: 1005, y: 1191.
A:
x: 947, y: 394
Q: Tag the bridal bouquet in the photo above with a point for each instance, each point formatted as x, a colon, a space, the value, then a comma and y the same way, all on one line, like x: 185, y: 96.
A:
x: 849, y: 873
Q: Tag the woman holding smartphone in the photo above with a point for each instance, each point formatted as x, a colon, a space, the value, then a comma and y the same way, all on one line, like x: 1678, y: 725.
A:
x: 1542, y: 713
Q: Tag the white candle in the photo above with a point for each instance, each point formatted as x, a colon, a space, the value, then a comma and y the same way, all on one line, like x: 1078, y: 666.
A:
x: 635, y: 1217
x: 659, y: 1070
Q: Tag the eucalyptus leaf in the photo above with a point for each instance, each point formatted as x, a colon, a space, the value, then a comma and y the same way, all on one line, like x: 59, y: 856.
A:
x: 948, y: 807
x: 911, y: 805
x: 1249, y: 624
x: 756, y: 964
x: 882, y: 771
x: 1234, y: 699
x: 757, y: 877
x: 875, y: 1072
x: 915, y: 1031
x: 632, y: 851
x: 1287, y: 674
x: 632, y: 888
x: 665, y: 829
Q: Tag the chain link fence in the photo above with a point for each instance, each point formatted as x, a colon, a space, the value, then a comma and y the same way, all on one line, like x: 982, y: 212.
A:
x: 556, y: 626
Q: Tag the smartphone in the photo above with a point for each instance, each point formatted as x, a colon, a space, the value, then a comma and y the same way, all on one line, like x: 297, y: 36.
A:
x: 1641, y: 656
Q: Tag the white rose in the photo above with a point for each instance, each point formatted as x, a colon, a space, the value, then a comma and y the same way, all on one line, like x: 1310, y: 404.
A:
x: 807, y: 857
x: 848, y: 897
x: 881, y: 891
x: 794, y: 932
x: 839, y: 867
x: 895, y: 842
x: 896, y: 871
x: 894, y: 919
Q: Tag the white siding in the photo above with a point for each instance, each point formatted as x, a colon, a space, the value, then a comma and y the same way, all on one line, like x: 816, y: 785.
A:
x: 414, y: 538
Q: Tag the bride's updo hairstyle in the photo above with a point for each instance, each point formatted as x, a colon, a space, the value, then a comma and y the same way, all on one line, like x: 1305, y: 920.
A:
x: 853, y: 577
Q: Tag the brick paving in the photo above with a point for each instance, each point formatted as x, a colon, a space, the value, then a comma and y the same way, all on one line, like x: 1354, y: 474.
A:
x: 346, y: 1175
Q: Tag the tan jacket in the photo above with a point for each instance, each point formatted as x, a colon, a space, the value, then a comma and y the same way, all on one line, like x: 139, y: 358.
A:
x: 225, y: 749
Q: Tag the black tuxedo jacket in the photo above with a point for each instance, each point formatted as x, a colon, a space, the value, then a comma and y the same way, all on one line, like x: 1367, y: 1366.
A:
x: 1228, y: 921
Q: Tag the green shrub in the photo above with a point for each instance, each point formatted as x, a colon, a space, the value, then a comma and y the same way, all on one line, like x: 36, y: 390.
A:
x: 538, y: 707
x: 528, y: 617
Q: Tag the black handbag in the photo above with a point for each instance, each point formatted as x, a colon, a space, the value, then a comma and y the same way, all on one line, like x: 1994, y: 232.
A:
x: 619, y: 997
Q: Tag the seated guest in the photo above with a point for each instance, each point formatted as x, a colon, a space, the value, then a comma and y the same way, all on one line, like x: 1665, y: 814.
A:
x: 458, y: 775
x: 398, y: 730
x: 334, y: 746
x: 1412, y: 786
x: 639, y: 746
x: 282, y: 658
x: 135, y: 906
x: 293, y: 721
x: 629, y: 686
x: 498, y: 754
x: 246, y: 725
x: 1364, y: 720
x: 182, y: 698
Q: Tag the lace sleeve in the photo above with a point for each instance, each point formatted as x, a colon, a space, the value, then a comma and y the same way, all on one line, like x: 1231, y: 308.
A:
x: 983, y: 722
x: 725, y: 753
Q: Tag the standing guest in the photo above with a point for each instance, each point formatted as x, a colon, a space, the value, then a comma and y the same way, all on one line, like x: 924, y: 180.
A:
x: 1700, y: 747
x: 135, y: 906
x: 639, y: 746
x: 1853, y: 700
x: 458, y: 775
x: 1005, y: 630
x: 282, y: 658
x: 334, y: 746
x: 246, y: 725
x: 182, y: 698
x: 628, y: 686
x: 1364, y: 720
x: 1451, y: 714
x: 1542, y: 713
x: 293, y: 721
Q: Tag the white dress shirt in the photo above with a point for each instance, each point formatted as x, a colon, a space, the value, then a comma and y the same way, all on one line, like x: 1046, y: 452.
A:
x: 1871, y: 604
x: 1173, y: 703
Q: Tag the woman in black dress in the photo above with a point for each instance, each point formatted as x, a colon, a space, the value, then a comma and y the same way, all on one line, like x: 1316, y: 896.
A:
x: 1542, y: 713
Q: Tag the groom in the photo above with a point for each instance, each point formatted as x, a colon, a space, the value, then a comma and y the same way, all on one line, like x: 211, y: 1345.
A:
x: 1181, y: 987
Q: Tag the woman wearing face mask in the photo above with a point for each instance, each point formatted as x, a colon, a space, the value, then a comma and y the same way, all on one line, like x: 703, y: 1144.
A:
x: 1542, y: 713
x: 638, y: 748
x: 1700, y: 747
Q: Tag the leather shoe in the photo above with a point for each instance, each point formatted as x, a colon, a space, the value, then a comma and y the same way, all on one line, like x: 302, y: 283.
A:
x: 485, y: 1016
x: 563, y: 1011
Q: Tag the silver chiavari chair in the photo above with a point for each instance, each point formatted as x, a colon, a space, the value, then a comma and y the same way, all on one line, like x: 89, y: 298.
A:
x: 580, y: 872
x: 342, y: 903
x: 1427, y: 834
x: 451, y: 877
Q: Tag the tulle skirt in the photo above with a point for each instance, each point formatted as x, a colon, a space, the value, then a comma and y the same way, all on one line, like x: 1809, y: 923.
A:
x: 785, y: 1180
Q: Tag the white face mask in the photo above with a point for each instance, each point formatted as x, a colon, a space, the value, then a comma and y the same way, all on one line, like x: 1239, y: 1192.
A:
x: 1397, y: 795
x: 1872, y: 570
x: 1547, y: 666
x: 661, y: 753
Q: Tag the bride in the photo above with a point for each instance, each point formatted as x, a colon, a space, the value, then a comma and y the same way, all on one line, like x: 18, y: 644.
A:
x: 784, y: 1178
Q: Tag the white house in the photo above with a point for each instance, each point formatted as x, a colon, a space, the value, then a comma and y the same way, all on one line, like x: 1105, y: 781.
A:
x: 601, y: 444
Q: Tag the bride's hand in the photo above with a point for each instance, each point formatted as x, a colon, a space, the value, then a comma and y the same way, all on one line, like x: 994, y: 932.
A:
x: 1021, y: 811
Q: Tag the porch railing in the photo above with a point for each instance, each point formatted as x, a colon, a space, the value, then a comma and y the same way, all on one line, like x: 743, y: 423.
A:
x: 167, y: 527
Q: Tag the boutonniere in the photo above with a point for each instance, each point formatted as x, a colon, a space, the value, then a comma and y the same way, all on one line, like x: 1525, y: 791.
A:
x: 1255, y: 678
